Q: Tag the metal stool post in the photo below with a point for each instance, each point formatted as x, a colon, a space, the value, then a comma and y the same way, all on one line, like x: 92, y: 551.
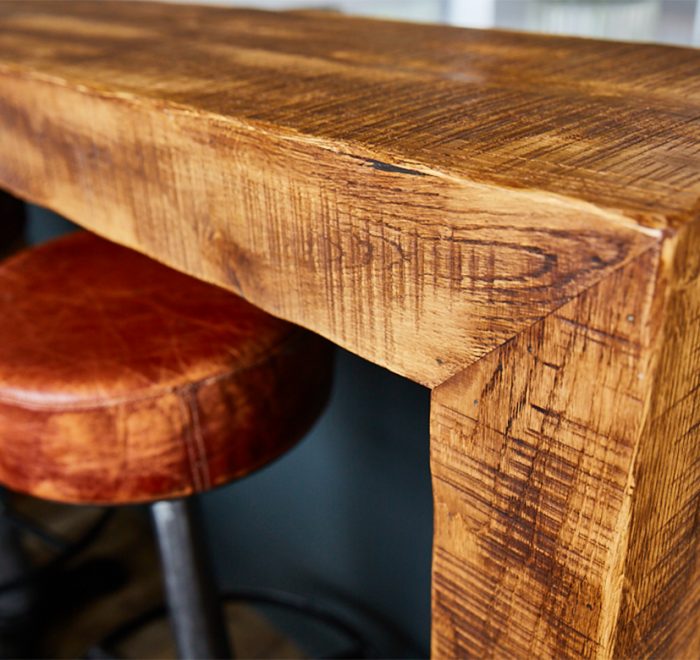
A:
x: 195, y: 610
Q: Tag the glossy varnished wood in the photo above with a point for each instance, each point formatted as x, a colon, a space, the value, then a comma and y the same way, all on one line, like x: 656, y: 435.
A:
x: 510, y: 219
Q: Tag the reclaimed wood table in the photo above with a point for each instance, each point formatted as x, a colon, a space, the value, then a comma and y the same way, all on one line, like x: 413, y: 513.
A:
x: 510, y: 219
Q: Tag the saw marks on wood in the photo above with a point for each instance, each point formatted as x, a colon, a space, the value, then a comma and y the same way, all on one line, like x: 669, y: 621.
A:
x: 508, y: 218
x: 418, y: 194
x: 532, y: 452
x: 321, y: 238
x: 567, y: 479
x: 592, y: 119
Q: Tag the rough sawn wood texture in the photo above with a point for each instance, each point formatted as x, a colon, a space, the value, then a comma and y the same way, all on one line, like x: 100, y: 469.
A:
x: 510, y: 219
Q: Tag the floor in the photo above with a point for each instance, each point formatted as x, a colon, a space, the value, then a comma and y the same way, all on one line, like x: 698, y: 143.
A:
x: 122, y: 562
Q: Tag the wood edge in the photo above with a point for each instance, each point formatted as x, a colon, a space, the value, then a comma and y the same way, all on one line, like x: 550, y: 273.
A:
x: 662, y: 242
x: 670, y: 277
x: 609, y: 218
x: 676, y: 268
x: 659, y: 293
x: 652, y: 224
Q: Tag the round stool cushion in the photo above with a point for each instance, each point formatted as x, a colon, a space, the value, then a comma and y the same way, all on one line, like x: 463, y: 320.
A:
x: 122, y: 380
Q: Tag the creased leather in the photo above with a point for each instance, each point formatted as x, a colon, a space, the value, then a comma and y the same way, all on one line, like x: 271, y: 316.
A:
x: 122, y: 380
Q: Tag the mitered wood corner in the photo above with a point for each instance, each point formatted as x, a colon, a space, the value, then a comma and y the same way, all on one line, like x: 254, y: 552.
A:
x: 566, y: 477
x: 510, y: 219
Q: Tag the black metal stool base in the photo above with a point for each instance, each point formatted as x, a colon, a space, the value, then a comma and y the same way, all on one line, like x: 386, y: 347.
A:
x: 31, y: 594
x: 358, y: 646
x: 193, y: 603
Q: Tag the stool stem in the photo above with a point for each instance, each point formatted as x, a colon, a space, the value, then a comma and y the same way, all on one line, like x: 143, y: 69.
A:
x: 193, y: 601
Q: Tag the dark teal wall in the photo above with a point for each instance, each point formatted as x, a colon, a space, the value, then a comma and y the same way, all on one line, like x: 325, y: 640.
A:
x: 347, y: 513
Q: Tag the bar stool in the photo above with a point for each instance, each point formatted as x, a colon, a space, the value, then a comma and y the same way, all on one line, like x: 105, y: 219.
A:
x: 124, y: 381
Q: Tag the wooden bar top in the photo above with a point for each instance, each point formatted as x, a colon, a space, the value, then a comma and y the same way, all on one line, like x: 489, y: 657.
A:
x: 614, y: 124
x: 510, y: 219
x: 439, y: 187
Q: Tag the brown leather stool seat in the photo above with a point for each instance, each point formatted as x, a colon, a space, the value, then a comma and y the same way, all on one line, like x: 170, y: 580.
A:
x: 122, y: 380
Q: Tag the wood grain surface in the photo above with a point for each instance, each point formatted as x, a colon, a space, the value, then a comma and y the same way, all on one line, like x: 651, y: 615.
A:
x: 438, y: 190
x: 510, y: 219
x: 558, y: 509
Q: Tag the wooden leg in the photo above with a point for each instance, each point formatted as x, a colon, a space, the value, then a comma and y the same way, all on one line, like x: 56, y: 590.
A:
x: 566, y: 473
